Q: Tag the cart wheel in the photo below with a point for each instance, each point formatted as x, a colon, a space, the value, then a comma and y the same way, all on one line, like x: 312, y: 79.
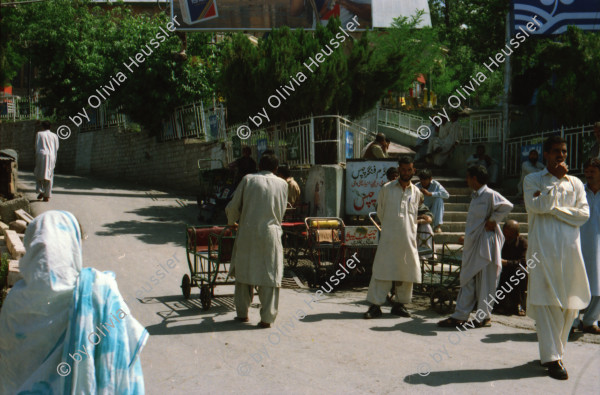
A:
x: 205, y: 297
x: 292, y: 258
x: 441, y: 300
x: 186, y: 286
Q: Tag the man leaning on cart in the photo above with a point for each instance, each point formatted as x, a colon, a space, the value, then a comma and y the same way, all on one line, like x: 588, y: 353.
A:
x: 258, y: 203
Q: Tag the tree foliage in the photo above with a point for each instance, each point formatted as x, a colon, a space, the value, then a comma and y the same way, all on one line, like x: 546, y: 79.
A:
x: 350, y: 81
x: 77, y: 48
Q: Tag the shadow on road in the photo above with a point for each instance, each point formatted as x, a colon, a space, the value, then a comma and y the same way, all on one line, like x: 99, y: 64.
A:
x: 505, y: 337
x: 437, y: 379
x: 415, y: 326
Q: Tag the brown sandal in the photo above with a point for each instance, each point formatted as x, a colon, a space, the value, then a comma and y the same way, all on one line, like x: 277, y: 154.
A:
x: 450, y: 323
x: 483, y: 324
x: 591, y: 329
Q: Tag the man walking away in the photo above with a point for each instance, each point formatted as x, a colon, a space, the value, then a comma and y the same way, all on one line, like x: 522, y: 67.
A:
x: 434, y: 194
x: 481, y: 260
x: 258, y: 204
x: 397, y: 257
x: 46, y: 149
x: 590, y: 246
x: 558, y: 285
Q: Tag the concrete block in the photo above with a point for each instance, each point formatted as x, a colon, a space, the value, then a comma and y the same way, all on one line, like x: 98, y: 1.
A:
x: 3, y: 226
x: 14, y: 244
x: 14, y: 274
x: 24, y: 215
x: 18, y: 226
x: 8, y: 208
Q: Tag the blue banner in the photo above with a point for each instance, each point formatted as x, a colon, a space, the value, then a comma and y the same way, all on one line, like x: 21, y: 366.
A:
x: 555, y: 15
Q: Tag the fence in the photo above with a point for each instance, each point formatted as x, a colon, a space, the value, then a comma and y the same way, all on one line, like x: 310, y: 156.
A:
x: 297, y: 142
x: 482, y: 128
x: 194, y: 121
x: 104, y: 117
x: 579, y: 142
x: 402, y: 121
x: 19, y: 108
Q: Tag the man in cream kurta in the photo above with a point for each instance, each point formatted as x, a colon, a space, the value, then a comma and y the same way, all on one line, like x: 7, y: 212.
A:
x: 558, y: 285
x: 46, y: 148
x: 482, y: 252
x: 397, y: 257
x: 259, y: 204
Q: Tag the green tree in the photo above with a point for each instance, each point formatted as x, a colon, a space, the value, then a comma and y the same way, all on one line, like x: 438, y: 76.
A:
x: 77, y: 48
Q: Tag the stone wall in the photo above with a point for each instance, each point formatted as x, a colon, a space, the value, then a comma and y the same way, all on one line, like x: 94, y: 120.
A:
x: 117, y: 154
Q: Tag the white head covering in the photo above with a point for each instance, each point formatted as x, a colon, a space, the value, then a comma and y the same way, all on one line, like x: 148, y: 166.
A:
x: 34, y: 316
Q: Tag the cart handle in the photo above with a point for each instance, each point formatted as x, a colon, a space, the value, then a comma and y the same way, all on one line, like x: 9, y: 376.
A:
x: 371, y: 217
x: 319, y: 219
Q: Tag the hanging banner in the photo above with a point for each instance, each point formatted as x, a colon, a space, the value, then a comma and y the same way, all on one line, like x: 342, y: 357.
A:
x: 554, y: 16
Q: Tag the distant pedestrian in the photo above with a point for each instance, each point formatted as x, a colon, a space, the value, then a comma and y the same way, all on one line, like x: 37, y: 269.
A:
x: 392, y: 173
x: 481, y: 260
x: 258, y: 205
x: 514, y: 257
x: 596, y: 147
x: 434, y: 194
x: 46, y: 150
x: 293, y: 187
x: 243, y: 166
x: 590, y: 246
x: 397, y: 257
x: 376, y: 149
x: 531, y: 165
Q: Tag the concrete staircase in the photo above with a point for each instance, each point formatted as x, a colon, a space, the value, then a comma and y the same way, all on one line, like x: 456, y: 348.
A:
x: 457, y: 206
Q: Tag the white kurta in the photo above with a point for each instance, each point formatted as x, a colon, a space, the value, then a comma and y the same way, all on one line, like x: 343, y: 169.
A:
x: 559, y: 278
x: 397, y: 257
x: 526, y: 169
x: 482, y: 247
x: 46, y: 148
x: 450, y: 133
x: 590, y: 241
x: 435, y: 202
x: 258, y: 203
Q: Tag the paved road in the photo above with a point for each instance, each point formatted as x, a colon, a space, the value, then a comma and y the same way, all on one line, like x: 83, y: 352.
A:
x: 132, y: 230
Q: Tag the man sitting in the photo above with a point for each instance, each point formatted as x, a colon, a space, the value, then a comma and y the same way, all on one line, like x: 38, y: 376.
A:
x: 434, y: 194
x: 293, y: 187
x: 514, y: 253
x: 376, y: 149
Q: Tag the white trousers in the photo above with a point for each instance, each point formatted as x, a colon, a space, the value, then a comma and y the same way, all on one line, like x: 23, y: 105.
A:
x: 44, y: 187
x: 552, y: 325
x: 591, y: 314
x: 378, y: 291
x: 269, y: 301
x: 478, y: 291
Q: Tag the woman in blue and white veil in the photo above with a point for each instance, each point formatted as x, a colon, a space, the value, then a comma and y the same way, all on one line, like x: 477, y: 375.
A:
x: 64, y: 329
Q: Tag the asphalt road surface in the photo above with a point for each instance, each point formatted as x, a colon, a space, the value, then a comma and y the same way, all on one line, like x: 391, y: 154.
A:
x: 133, y: 231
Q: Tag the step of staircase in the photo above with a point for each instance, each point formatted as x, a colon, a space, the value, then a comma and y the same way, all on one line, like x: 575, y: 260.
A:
x: 461, y: 216
x: 452, y: 237
x: 460, y: 226
x: 465, y: 207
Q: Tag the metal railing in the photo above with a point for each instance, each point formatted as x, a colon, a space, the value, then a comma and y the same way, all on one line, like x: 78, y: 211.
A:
x: 579, y: 139
x: 19, y: 108
x: 104, y: 117
x: 407, y: 123
x: 195, y: 121
x: 482, y: 128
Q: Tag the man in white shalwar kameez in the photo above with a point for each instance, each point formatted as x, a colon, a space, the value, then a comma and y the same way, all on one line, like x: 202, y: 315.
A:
x: 590, y: 246
x: 259, y: 203
x: 46, y: 148
x: 434, y: 194
x: 558, y: 285
x: 397, y: 256
x: 442, y: 146
x: 482, y: 252
x: 531, y: 165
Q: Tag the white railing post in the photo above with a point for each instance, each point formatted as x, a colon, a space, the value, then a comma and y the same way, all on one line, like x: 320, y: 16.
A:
x: 312, y: 139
